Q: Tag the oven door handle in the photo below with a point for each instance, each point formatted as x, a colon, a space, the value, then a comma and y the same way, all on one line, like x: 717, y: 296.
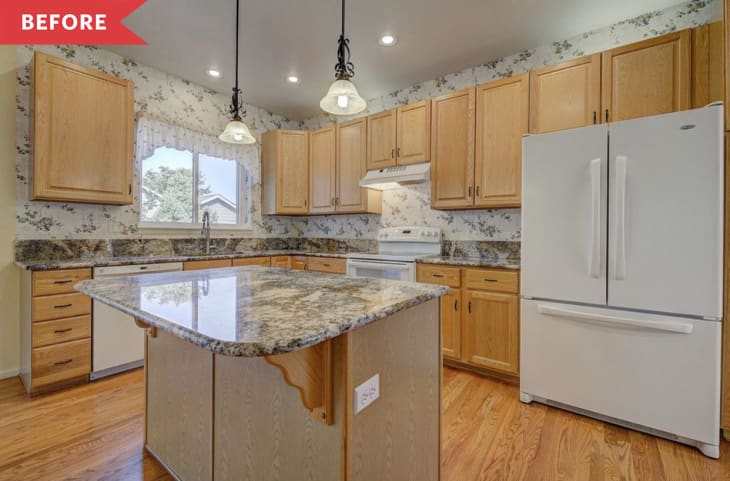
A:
x: 380, y: 265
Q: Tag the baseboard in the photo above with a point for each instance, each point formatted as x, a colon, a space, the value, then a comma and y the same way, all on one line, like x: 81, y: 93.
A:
x: 8, y: 373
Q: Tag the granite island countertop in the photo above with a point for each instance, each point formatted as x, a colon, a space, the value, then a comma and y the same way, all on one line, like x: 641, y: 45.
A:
x: 472, y: 261
x: 257, y: 311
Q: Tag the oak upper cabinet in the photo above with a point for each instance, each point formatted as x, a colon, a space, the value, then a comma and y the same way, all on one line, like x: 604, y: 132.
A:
x: 452, y: 150
x: 651, y: 77
x: 501, y: 120
x: 351, y: 167
x: 381, y: 139
x: 566, y: 96
x: 83, y: 134
x: 400, y: 136
x: 285, y: 172
x: 492, y: 330
x: 322, y: 170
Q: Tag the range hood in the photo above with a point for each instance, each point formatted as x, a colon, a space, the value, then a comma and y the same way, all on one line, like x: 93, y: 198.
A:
x: 394, y: 177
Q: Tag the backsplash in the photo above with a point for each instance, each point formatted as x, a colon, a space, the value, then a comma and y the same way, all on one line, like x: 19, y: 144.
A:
x: 156, y: 93
x: 179, y: 101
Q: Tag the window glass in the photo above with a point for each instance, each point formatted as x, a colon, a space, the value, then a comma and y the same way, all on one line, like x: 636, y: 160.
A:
x: 167, y: 187
x: 218, y: 189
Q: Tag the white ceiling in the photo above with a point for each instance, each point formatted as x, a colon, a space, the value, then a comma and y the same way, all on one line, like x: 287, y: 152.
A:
x: 279, y: 37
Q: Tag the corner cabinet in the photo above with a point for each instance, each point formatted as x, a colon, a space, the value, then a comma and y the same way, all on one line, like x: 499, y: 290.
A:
x: 83, y: 134
x: 645, y: 78
x: 285, y: 172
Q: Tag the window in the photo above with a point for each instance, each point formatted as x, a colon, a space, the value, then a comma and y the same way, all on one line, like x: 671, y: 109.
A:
x: 179, y: 186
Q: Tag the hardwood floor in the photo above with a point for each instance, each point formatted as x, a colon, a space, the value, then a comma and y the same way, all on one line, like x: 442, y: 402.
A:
x: 94, y: 432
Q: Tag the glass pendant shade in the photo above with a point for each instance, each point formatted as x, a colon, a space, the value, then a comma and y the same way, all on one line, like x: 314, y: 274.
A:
x: 237, y: 132
x: 342, y: 99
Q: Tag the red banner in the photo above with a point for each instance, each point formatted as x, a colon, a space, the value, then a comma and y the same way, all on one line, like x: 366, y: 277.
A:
x: 78, y: 22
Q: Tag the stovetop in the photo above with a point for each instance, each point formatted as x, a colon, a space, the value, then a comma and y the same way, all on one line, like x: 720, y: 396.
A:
x: 404, y: 244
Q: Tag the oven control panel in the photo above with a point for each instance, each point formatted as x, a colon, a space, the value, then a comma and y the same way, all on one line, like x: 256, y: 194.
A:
x: 431, y: 235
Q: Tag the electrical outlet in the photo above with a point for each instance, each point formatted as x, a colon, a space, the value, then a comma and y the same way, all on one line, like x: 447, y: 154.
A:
x: 366, y: 393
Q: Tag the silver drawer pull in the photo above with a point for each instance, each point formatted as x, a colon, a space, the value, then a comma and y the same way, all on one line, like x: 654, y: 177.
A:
x: 63, y: 331
x: 62, y: 306
x: 62, y: 363
x: 66, y: 281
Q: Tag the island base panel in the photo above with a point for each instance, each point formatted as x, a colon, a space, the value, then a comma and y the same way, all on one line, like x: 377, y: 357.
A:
x: 246, y: 422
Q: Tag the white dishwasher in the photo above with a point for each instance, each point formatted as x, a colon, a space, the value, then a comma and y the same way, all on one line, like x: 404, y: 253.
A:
x: 117, y: 343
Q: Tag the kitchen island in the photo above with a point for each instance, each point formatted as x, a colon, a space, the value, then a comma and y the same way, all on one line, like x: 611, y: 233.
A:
x: 251, y: 373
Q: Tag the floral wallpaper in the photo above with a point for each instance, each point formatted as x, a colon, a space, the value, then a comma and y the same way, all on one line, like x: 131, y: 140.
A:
x: 179, y: 101
x: 411, y: 205
x: 157, y: 94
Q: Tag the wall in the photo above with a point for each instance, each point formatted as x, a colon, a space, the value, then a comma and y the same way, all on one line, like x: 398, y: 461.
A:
x: 411, y: 205
x: 155, y: 93
x: 9, y: 295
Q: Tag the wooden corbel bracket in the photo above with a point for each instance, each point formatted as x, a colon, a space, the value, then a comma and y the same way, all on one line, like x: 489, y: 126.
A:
x: 151, y: 331
x: 310, y: 372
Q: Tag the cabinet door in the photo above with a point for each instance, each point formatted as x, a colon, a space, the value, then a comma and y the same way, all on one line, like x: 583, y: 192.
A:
x: 299, y: 263
x: 322, y: 170
x: 414, y: 133
x: 452, y: 150
x: 381, y: 140
x: 492, y: 331
x: 566, y: 96
x: 651, y: 77
x: 292, y: 173
x: 283, y: 262
x: 502, y: 119
x: 451, y: 324
x: 83, y: 131
x: 352, y: 150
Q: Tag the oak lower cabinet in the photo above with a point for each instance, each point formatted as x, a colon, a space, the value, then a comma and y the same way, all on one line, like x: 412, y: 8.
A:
x: 299, y: 263
x: 333, y: 265
x: 479, y: 317
x: 55, y: 329
x: 251, y: 261
x: 646, y: 78
x: 336, y: 165
x: 83, y: 134
x: 285, y: 172
x: 283, y: 262
x: 207, y: 264
x: 566, y: 96
x: 400, y: 136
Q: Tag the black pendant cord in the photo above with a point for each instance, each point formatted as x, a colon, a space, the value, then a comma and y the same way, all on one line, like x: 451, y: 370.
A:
x: 236, y: 109
x: 344, y: 70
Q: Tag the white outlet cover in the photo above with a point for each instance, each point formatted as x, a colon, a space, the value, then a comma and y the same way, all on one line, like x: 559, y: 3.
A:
x: 366, y: 393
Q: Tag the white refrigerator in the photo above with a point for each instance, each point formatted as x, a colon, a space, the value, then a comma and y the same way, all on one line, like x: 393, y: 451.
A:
x: 621, y: 275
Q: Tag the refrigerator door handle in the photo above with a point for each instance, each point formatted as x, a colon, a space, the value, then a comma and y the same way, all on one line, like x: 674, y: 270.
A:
x: 664, y: 326
x: 620, y: 267
x: 595, y: 260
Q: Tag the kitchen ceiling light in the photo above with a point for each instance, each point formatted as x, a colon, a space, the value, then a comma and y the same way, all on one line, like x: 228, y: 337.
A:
x: 236, y: 132
x: 387, y: 40
x: 292, y: 79
x: 342, y: 97
x: 214, y: 73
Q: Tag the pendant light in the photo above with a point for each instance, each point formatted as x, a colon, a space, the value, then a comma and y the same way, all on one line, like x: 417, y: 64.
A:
x: 236, y: 131
x: 342, y: 97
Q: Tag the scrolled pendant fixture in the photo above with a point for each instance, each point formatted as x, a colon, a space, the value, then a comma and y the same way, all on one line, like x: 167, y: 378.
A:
x: 342, y: 97
x: 236, y: 132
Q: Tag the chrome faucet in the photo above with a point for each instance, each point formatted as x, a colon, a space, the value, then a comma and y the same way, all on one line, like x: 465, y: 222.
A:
x: 206, y: 231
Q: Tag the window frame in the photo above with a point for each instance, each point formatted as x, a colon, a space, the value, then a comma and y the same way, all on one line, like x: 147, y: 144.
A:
x: 243, y: 211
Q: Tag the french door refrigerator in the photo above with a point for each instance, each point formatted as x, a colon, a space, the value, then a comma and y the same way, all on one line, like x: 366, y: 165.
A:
x: 622, y: 273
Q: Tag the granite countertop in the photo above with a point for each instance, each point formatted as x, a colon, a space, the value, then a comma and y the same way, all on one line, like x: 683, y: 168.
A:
x: 257, y: 311
x: 46, y: 265
x: 472, y: 261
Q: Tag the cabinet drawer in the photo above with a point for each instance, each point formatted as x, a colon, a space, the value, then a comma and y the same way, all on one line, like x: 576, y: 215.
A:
x: 436, y: 274
x: 53, y: 332
x: 198, y: 265
x: 47, y: 283
x: 60, y: 362
x: 252, y: 261
x: 281, y: 261
x: 492, y: 280
x: 63, y: 305
x: 327, y: 264
x: 299, y: 262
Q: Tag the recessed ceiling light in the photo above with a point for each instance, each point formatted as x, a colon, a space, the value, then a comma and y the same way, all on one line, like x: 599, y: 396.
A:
x: 214, y: 73
x: 292, y: 79
x: 387, y: 40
